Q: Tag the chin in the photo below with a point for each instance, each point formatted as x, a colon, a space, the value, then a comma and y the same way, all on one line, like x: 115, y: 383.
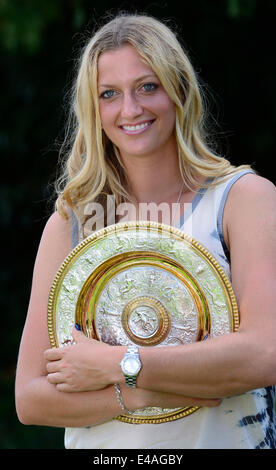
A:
x: 138, y: 154
x: 139, y: 151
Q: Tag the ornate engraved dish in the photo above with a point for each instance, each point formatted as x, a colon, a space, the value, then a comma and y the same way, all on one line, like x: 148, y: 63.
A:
x: 143, y: 283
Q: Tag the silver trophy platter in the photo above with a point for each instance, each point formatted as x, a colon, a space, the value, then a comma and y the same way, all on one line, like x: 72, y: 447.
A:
x: 142, y: 283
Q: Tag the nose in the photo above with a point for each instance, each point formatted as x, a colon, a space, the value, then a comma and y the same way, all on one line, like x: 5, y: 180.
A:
x: 131, y: 108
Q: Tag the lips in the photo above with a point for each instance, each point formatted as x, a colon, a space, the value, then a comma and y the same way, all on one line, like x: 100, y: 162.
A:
x: 136, y: 128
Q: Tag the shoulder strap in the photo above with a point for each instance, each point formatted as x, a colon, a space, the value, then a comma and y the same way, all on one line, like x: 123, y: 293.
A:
x: 74, y: 229
x: 222, y: 206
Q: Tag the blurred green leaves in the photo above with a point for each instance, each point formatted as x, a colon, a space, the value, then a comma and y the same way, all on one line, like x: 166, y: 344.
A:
x: 241, y: 8
x: 23, y: 22
x: 231, y: 43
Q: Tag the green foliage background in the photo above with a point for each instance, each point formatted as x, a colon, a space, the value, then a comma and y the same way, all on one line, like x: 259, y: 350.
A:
x: 231, y: 43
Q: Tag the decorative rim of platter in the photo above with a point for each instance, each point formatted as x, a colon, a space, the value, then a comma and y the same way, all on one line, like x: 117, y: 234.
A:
x: 142, y: 283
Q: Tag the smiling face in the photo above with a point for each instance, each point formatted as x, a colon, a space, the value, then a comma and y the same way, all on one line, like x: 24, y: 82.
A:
x: 136, y: 113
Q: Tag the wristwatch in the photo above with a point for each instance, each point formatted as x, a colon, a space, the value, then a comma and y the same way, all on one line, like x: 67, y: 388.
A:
x: 131, y: 365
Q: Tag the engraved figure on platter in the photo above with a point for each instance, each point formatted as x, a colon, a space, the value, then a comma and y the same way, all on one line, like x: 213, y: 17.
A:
x: 143, y: 321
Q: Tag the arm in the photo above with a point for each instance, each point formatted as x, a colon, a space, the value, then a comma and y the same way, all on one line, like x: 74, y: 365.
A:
x: 244, y: 360
x: 233, y: 363
x: 37, y: 400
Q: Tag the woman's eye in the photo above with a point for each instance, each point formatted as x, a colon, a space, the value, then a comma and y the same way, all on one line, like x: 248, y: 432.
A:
x: 107, y: 94
x: 149, y: 87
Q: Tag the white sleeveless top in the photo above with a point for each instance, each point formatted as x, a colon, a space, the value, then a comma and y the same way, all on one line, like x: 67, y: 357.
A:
x: 245, y: 421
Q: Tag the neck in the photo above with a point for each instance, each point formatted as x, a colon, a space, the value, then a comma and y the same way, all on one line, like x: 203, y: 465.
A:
x: 154, y: 179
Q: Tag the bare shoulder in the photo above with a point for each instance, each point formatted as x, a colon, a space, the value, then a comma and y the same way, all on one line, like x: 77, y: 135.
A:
x: 248, y: 195
x: 58, y: 230
x: 55, y: 243
x: 58, y: 224
x: 252, y: 186
x: 251, y: 204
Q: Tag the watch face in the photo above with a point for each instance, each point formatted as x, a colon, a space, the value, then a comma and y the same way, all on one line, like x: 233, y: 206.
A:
x: 131, y: 365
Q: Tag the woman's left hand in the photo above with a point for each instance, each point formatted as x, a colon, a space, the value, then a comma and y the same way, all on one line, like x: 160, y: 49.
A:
x: 86, y: 365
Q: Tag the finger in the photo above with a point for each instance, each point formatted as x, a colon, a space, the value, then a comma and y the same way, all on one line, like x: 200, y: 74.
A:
x: 53, y: 354
x: 53, y: 366
x: 64, y: 387
x: 78, y: 335
x: 208, y: 402
x: 55, y: 378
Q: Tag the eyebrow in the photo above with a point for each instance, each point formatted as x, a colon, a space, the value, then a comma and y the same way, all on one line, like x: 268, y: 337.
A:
x: 140, y: 79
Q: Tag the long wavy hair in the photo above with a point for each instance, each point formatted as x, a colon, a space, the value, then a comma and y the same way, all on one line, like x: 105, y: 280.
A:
x: 92, y: 166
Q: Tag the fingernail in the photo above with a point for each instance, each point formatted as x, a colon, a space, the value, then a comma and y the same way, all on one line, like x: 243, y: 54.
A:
x: 77, y: 326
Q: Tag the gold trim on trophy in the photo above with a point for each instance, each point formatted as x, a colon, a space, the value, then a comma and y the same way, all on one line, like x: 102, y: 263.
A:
x: 146, y: 321
x: 143, y: 283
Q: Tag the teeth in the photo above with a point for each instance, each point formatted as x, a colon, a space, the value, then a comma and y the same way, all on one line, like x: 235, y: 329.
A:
x: 136, y: 128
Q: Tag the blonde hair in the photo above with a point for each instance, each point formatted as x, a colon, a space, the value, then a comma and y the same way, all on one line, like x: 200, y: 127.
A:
x: 93, y: 167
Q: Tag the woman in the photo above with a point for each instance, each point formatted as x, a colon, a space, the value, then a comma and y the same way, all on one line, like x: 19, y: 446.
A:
x: 139, y: 135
